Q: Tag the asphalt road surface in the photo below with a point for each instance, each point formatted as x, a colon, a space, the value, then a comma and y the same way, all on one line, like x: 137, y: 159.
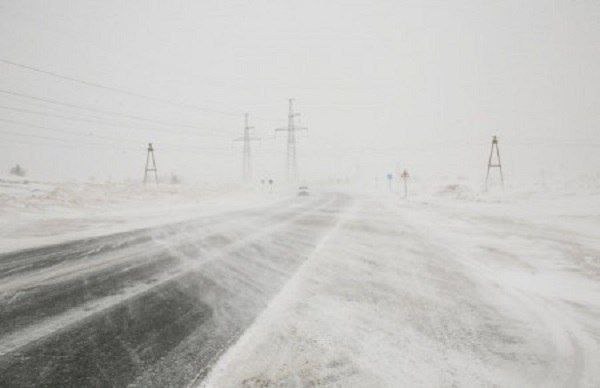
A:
x: 150, y: 307
x: 322, y: 290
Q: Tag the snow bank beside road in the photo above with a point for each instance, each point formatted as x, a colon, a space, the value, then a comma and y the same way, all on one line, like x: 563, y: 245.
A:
x: 34, y: 213
x: 25, y: 194
x: 578, y: 212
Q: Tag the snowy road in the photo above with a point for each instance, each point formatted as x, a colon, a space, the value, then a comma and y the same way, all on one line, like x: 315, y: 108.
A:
x: 151, y: 307
x: 434, y: 294
x: 335, y: 289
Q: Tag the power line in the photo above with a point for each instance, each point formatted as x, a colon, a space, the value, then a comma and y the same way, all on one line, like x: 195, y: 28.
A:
x: 12, y: 142
x: 132, y: 117
x: 59, y: 130
x: 118, y: 90
x: 130, y: 93
x: 69, y: 144
x: 96, y: 121
x: 66, y: 142
x: 119, y: 140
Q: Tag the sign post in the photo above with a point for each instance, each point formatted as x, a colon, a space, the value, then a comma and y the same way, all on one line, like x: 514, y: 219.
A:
x: 405, y: 177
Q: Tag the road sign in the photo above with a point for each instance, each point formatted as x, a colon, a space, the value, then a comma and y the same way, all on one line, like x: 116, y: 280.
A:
x: 405, y: 177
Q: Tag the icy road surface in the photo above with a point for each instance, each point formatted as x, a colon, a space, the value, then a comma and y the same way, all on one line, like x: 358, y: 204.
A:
x: 334, y: 289
x: 152, y: 307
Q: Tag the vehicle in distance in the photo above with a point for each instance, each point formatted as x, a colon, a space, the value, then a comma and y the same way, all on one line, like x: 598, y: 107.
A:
x: 303, y: 191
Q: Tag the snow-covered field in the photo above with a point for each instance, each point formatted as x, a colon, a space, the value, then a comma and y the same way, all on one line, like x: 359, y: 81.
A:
x: 36, y: 213
x: 442, y: 290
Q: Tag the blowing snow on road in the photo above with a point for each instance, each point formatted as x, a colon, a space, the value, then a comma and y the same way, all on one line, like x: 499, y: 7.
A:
x: 338, y: 289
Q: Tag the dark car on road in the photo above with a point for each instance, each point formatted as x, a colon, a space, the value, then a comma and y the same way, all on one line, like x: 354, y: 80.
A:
x: 303, y: 191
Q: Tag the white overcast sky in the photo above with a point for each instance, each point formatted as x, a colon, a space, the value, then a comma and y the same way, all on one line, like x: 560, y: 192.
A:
x: 381, y: 85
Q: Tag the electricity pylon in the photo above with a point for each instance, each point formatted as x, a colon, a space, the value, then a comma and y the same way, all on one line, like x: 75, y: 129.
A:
x: 150, y: 157
x: 246, y: 138
x: 291, y: 163
x: 491, y: 164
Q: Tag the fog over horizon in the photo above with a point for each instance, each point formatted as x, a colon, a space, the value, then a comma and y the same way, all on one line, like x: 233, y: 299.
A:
x: 381, y: 86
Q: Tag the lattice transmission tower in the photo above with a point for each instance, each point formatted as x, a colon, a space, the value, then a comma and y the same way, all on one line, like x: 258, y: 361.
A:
x: 291, y: 163
x: 247, y: 157
x: 491, y: 164
x: 150, y: 167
